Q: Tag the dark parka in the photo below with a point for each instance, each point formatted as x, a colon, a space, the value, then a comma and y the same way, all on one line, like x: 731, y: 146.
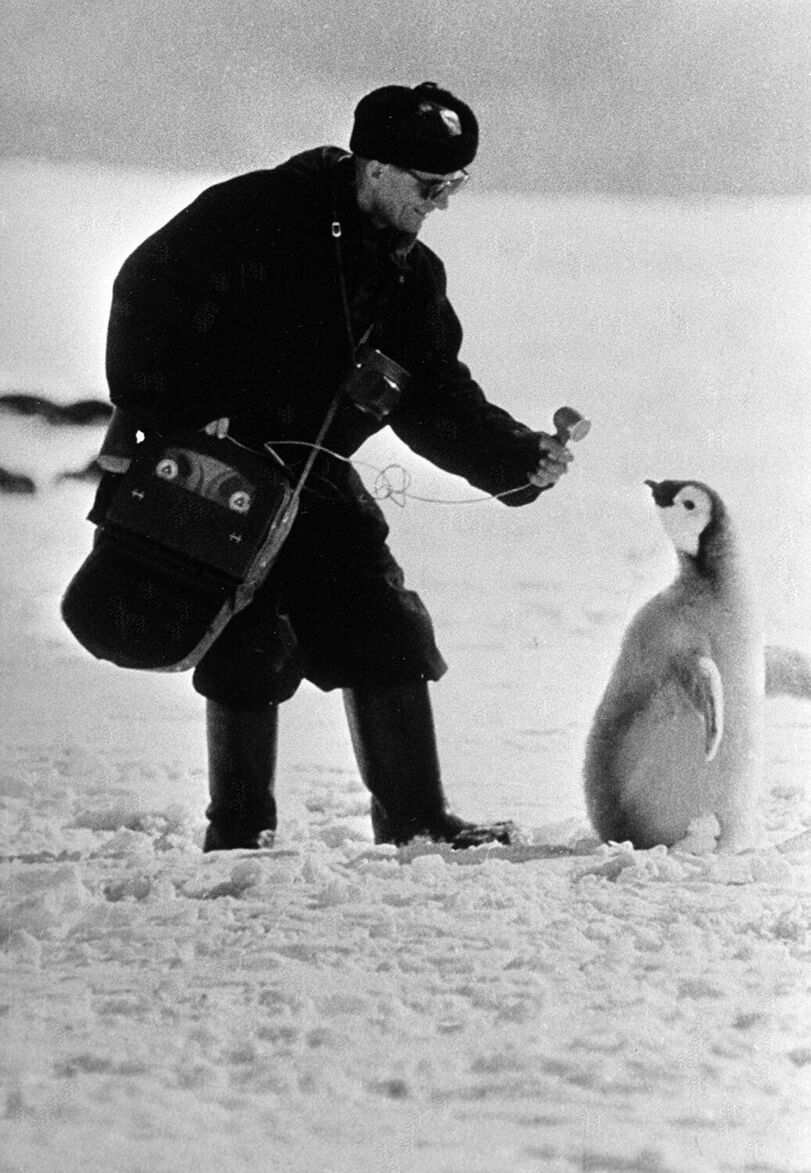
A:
x: 234, y: 308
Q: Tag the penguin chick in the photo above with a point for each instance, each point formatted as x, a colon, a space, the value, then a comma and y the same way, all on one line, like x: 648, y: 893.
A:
x: 678, y: 732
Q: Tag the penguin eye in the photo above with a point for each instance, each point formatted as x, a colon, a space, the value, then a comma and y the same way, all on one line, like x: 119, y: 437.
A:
x: 689, y: 504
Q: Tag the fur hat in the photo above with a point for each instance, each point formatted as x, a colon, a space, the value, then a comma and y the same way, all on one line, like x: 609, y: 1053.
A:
x: 423, y: 129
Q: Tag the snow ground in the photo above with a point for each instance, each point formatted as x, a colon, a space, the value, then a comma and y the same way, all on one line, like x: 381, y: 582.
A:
x: 330, y: 1006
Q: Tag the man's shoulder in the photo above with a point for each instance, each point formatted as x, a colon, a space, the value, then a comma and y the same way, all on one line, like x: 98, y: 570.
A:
x: 427, y: 254
x: 425, y: 261
x: 254, y: 210
x: 306, y: 171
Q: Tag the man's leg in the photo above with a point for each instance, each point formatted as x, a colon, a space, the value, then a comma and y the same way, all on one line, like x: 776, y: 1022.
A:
x: 393, y: 736
x: 245, y: 675
x: 241, y: 775
x: 361, y: 630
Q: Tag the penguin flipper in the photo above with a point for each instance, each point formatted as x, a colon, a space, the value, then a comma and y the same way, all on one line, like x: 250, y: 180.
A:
x: 701, y: 681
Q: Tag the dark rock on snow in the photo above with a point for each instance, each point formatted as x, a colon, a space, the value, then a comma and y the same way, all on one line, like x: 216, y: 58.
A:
x: 16, y: 482
x: 82, y: 412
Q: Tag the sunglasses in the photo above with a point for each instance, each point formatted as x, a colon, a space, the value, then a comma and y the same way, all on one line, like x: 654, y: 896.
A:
x: 434, y: 189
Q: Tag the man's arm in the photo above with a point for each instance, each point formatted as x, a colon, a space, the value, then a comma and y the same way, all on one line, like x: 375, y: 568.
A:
x: 445, y: 416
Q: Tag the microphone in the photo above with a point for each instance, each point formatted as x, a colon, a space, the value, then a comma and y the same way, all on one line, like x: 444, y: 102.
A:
x: 570, y: 425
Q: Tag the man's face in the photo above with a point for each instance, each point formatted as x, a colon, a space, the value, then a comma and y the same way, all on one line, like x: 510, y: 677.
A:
x: 397, y: 199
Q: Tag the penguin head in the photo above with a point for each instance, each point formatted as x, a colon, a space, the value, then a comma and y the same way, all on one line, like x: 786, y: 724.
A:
x: 692, y: 515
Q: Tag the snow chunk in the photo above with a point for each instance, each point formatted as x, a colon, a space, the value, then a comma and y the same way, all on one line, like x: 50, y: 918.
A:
x: 338, y: 891
x: 247, y: 874
x: 132, y: 887
x: 428, y: 867
x: 45, y: 902
x: 754, y: 867
x: 24, y: 947
x: 128, y: 843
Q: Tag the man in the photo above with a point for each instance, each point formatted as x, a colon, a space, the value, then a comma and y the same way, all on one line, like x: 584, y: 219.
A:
x: 244, y: 315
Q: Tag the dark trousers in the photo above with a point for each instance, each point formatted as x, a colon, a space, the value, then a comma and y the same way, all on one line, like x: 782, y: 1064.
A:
x: 334, y: 610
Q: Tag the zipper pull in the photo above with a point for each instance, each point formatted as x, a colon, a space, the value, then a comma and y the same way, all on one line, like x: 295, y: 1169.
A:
x: 336, y: 228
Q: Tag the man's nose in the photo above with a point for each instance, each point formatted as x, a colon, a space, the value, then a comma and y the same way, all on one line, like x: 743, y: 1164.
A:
x: 441, y: 201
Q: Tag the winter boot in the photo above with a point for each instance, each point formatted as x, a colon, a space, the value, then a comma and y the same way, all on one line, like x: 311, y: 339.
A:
x: 395, y: 745
x: 242, y: 767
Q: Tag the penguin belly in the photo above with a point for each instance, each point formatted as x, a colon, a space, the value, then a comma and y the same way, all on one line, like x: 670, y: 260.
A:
x: 646, y: 772
x: 662, y: 776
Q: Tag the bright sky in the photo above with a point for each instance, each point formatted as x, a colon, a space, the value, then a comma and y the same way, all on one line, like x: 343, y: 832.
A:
x: 657, y: 96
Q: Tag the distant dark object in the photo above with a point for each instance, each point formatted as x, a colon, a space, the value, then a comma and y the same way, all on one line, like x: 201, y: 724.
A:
x: 83, y: 412
x: 16, y: 482
x: 19, y: 403
x: 91, y: 472
x: 86, y: 411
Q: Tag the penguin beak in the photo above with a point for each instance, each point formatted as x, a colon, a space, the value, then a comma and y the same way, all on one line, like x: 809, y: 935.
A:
x: 662, y: 494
